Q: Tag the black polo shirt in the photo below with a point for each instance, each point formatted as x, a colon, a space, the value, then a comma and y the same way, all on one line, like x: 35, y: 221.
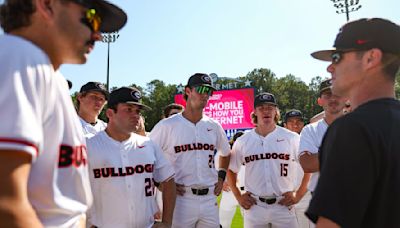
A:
x: 359, y: 184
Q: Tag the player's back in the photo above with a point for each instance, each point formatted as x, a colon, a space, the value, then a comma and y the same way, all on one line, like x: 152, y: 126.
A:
x: 377, y: 125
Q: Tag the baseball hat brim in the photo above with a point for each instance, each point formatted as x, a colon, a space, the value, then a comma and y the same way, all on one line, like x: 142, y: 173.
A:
x: 142, y: 106
x: 113, y: 17
x: 261, y: 103
x: 210, y: 86
x: 105, y: 93
x: 324, y: 55
x: 206, y: 85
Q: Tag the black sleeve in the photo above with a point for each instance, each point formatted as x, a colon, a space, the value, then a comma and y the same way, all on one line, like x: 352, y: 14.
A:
x: 347, y: 175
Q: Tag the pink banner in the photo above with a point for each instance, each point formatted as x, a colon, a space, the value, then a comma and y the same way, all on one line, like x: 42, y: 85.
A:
x: 231, y: 108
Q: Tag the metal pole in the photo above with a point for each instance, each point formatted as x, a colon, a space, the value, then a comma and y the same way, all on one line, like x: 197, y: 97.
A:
x: 346, y: 6
x: 109, y: 38
x: 347, y: 9
x: 108, y: 66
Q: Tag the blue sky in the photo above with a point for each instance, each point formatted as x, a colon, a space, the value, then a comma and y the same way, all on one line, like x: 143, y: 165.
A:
x: 171, y: 40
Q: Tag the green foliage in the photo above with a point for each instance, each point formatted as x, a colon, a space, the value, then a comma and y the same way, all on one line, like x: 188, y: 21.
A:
x: 291, y: 93
x: 157, y: 95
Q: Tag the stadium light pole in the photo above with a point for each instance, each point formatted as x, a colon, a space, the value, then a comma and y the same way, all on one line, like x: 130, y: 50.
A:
x: 109, y: 38
x: 346, y: 6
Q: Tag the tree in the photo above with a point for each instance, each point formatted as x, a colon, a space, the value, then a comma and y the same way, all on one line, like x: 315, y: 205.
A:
x: 291, y: 93
x: 263, y: 79
x: 157, y: 95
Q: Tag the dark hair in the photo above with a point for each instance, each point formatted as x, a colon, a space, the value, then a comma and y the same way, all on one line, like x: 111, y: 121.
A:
x: 169, y: 107
x: 15, y: 14
x: 235, y: 137
x: 391, y: 65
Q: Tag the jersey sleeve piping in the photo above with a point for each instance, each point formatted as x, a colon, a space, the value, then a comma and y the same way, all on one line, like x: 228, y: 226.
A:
x: 19, y: 143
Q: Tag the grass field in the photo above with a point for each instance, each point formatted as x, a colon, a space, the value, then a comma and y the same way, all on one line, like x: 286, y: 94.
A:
x: 237, y: 221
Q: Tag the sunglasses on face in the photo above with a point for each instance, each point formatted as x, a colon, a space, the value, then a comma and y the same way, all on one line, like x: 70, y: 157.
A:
x: 204, y: 89
x: 336, y: 57
x: 92, y: 19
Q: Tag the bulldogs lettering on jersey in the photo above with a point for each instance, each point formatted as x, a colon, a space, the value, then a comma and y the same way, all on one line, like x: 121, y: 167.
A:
x: 269, y: 161
x: 122, y: 176
x: 121, y: 172
x: 39, y: 118
x: 191, y: 148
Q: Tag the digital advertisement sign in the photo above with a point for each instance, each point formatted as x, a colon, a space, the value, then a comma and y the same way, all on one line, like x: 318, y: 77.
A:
x: 231, y: 108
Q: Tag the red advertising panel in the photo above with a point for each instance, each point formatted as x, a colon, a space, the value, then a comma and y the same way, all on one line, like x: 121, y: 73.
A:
x: 231, y: 108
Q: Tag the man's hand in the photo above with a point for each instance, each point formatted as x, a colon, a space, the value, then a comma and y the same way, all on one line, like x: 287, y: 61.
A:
x: 226, y: 187
x: 246, y: 200
x: 218, y: 187
x: 289, y: 198
x: 180, y: 189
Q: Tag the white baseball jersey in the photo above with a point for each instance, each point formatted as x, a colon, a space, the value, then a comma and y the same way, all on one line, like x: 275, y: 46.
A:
x: 91, y: 130
x: 191, y: 148
x: 121, y: 176
x: 310, y: 140
x: 38, y: 117
x: 269, y: 161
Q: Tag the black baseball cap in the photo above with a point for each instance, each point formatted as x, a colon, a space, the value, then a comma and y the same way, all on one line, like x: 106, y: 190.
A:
x: 112, y: 17
x: 265, y: 98
x: 95, y: 86
x: 364, y: 34
x: 293, y: 113
x: 200, y: 79
x: 69, y: 84
x: 325, y: 85
x: 128, y: 95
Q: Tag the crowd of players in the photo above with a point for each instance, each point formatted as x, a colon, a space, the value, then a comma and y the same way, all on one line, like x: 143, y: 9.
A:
x: 62, y: 167
x: 278, y: 197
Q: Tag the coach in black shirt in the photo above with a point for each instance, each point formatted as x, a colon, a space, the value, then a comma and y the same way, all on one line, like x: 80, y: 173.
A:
x: 359, y: 185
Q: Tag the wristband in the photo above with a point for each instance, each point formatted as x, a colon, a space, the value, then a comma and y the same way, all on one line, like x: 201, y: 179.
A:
x: 222, y: 174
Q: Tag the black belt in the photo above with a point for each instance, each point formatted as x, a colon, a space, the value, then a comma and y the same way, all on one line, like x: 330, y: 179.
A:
x: 242, y: 188
x: 267, y: 201
x: 200, y: 192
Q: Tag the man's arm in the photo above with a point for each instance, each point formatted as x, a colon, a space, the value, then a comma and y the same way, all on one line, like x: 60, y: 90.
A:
x: 15, y: 208
x: 169, y: 197
x: 303, y: 187
x: 223, y: 165
x: 326, y: 223
x: 309, y: 162
x: 245, y: 200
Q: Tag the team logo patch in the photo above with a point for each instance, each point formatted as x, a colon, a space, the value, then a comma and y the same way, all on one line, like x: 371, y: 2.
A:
x: 266, y: 97
x: 206, y: 78
x: 136, y: 95
x: 100, y: 86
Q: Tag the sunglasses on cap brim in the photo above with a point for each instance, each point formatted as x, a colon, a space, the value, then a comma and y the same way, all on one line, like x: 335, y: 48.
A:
x: 204, y: 89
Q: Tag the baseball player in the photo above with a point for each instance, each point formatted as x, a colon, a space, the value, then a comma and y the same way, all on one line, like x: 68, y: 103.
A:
x: 43, y: 163
x: 168, y: 111
x: 312, y: 134
x: 90, y: 101
x: 172, y: 109
x: 268, y: 152
x: 294, y: 121
x: 189, y: 140
x: 123, y: 166
x: 228, y: 202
